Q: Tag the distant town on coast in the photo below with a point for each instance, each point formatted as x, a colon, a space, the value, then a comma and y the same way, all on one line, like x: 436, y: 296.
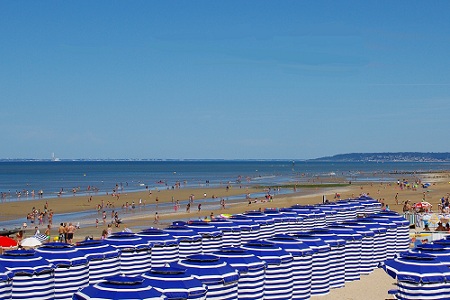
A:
x: 389, y: 157
x: 348, y: 157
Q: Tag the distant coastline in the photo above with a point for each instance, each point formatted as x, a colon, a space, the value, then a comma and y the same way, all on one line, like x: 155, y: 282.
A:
x: 347, y: 157
x: 387, y: 157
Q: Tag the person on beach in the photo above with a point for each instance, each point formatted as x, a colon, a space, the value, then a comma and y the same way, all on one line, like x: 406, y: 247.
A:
x: 70, y: 231
x: 19, y: 236
x: 156, y: 221
x: 61, y: 232
x: 188, y: 207
x: 109, y: 230
x: 199, y: 207
x: 47, y: 233
x: 104, y: 234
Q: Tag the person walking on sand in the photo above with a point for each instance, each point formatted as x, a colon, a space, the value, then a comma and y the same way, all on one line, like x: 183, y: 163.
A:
x: 156, y: 221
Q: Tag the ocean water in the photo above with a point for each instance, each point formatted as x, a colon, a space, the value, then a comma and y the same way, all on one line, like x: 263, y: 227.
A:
x: 19, y: 179
x: 64, y: 177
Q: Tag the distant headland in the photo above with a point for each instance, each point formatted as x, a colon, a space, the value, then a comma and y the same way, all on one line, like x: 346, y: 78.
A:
x: 388, y: 157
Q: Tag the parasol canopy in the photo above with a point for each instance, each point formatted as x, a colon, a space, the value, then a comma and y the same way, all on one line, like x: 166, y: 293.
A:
x: 417, y: 268
x: 6, y: 242
x: 423, y: 205
x: 30, y: 242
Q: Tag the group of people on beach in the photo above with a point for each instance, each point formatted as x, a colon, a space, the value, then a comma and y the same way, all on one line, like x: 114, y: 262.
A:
x: 19, y: 194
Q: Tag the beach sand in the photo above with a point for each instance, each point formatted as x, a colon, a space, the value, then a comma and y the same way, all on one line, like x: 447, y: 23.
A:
x: 373, y: 286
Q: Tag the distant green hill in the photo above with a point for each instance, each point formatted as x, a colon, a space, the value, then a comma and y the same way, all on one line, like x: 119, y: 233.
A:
x: 389, y: 156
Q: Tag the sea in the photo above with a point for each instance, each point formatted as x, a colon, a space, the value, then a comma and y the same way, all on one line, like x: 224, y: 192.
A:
x: 26, y: 180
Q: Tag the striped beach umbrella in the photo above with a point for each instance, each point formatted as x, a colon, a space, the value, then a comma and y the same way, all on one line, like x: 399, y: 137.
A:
x: 320, y: 278
x: 212, y: 238
x: 104, y: 259
x: 165, y: 246
x: 279, y: 280
x: 41, y: 237
x: 349, y: 210
x: 445, y: 243
x: 352, y: 254
x: 175, y: 283
x: 219, y: 277
x: 249, y: 228
x: 370, y: 204
x: 32, y: 276
x: 419, y: 276
x: 281, y: 221
x: 266, y: 223
x: 135, y: 252
x: 295, y: 221
x: 391, y: 234
x: 231, y: 231
x: 5, y: 283
x: 368, y: 263
x: 336, y: 257
x: 190, y: 241
x: 71, y: 268
x: 118, y: 288
x: 301, y: 265
x: 437, y: 250
x: 319, y: 216
x: 330, y: 214
x: 402, y: 242
x: 251, y: 272
x: 380, y: 240
x: 307, y: 215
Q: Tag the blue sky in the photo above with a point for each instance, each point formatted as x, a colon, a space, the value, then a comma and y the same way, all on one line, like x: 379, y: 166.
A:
x: 223, y: 79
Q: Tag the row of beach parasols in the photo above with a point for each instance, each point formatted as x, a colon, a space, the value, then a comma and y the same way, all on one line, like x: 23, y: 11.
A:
x: 290, y: 253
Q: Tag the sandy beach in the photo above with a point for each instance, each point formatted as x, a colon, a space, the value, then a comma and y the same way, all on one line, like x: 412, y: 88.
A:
x: 373, y: 286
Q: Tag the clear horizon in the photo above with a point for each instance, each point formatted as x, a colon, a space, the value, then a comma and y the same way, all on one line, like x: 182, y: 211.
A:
x: 232, y: 79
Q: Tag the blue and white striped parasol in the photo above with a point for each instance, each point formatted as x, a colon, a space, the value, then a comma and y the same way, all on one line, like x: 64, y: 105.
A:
x: 301, y: 265
x: 32, y: 276
x: 135, y: 252
x: 419, y: 276
x: 118, y: 288
x: 251, y: 270
x: 231, y: 231
x: 249, y: 228
x: 165, y: 246
x: 220, y: 278
x: 279, y: 280
x: 71, y: 268
x: 211, y: 236
x: 175, y: 283
x: 104, y: 259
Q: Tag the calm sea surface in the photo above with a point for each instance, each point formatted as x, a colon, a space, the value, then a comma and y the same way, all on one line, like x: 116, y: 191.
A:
x: 104, y: 176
